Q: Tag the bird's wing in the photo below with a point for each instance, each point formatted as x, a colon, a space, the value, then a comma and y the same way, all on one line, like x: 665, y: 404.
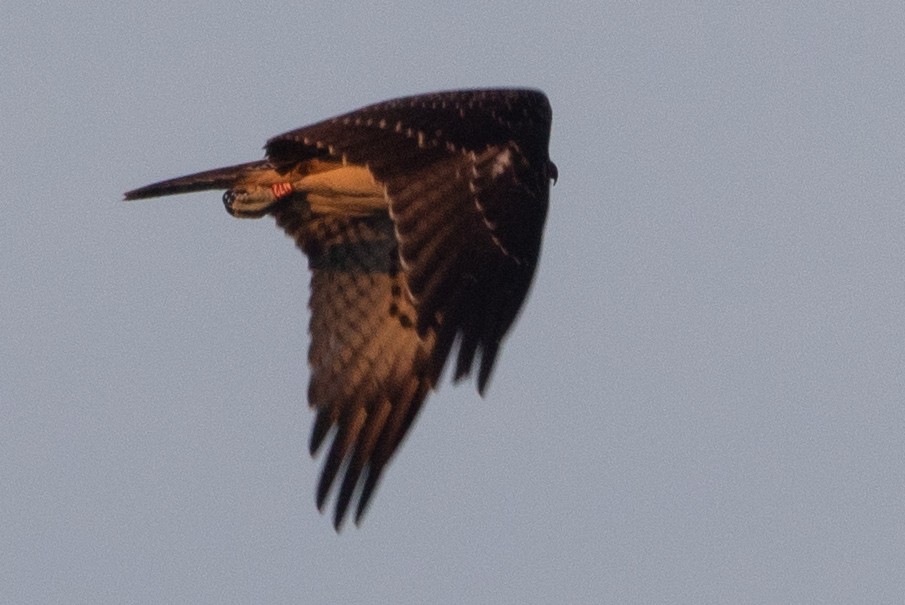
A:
x: 369, y: 366
x: 467, y: 178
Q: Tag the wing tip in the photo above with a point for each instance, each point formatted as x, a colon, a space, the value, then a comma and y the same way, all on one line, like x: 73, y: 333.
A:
x: 138, y: 194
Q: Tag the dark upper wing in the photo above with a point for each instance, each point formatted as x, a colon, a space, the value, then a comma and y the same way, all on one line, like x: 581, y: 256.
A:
x: 467, y: 178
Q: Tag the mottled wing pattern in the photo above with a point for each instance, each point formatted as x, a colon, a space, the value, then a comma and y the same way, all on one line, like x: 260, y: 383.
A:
x: 370, y: 369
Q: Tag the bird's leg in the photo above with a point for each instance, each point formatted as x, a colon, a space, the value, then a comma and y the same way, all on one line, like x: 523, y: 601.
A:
x: 255, y: 201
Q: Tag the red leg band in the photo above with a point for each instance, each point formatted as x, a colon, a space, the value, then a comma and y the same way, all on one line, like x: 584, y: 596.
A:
x: 281, y: 190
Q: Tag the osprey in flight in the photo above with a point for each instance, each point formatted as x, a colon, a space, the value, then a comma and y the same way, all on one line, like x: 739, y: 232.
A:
x: 422, y: 219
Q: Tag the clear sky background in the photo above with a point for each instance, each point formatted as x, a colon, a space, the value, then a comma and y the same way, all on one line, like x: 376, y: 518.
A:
x: 701, y: 403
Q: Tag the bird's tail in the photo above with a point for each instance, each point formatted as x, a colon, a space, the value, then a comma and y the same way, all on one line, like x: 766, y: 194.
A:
x: 218, y: 178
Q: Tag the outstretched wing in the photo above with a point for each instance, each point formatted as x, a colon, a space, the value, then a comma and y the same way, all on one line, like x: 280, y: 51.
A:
x: 370, y: 369
x: 467, y: 177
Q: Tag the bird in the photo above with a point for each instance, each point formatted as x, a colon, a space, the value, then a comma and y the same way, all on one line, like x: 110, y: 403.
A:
x: 422, y: 220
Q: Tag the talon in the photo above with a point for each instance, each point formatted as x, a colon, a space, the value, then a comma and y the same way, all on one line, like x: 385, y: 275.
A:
x: 245, y: 203
x: 229, y: 198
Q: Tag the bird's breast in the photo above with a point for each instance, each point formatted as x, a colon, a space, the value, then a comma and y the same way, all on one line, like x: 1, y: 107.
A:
x: 345, y: 189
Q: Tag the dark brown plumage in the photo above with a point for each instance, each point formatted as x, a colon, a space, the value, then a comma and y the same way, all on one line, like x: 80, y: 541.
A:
x: 421, y: 218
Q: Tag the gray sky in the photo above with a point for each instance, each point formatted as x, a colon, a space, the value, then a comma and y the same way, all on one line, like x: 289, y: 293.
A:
x: 701, y: 403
